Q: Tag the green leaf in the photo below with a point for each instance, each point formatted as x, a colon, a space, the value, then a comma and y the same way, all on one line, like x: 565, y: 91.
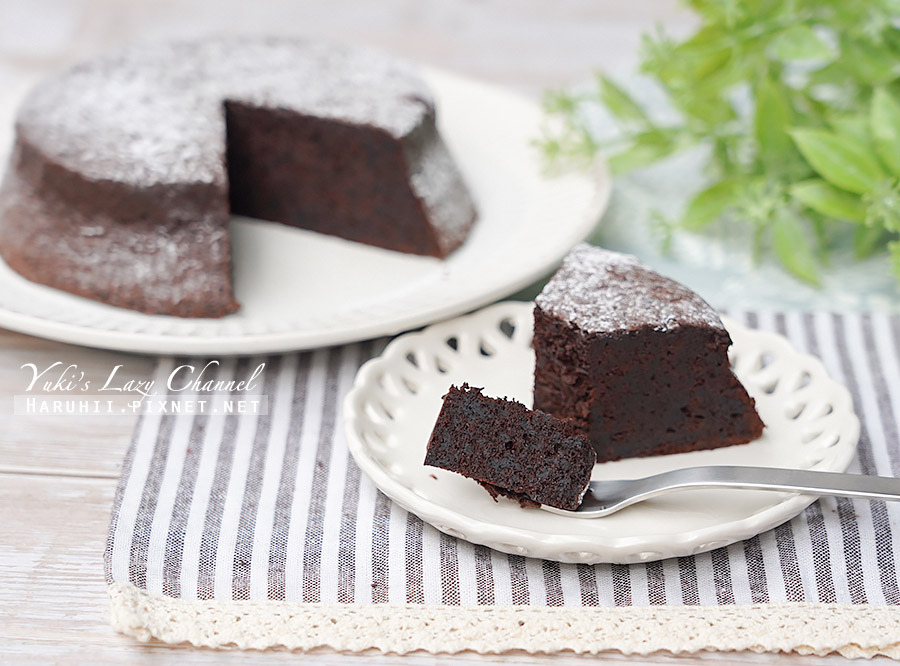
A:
x: 709, y: 204
x: 808, y: 111
x: 834, y: 73
x: 731, y: 71
x: 793, y: 248
x: 885, y: 121
x: 620, y: 103
x: 829, y: 200
x: 635, y: 157
x: 866, y: 240
x: 883, y: 206
x: 692, y: 63
x: 868, y: 63
x: 892, y: 35
x: 770, y: 123
x: 799, y: 42
x: 854, y: 125
x: 647, y: 147
x: 839, y: 159
x: 710, y: 111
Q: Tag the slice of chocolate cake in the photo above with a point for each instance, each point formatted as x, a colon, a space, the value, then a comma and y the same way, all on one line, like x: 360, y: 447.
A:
x: 511, y: 450
x: 638, y: 361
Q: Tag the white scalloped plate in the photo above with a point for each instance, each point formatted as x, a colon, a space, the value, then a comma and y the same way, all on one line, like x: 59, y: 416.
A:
x: 301, y: 290
x: 395, y: 399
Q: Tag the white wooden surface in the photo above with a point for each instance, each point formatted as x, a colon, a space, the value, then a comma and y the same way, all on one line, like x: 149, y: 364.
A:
x: 58, y: 475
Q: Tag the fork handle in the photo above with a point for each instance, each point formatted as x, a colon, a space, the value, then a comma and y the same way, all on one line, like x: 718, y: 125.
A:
x: 772, y: 478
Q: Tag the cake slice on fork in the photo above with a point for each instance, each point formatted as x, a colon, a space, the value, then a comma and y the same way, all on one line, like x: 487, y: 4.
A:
x: 511, y: 450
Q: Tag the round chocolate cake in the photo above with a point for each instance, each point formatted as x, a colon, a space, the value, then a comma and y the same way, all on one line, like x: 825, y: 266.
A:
x: 126, y: 169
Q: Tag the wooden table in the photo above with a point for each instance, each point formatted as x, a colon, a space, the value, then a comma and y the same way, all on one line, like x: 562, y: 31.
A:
x: 58, y: 474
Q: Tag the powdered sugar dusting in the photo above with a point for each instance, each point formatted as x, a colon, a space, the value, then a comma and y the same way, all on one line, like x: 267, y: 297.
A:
x: 153, y: 113
x: 438, y: 183
x: 603, y: 291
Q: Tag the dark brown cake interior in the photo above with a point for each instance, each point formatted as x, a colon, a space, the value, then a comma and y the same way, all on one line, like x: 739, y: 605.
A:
x: 324, y: 175
x: 511, y: 450
x: 645, y: 392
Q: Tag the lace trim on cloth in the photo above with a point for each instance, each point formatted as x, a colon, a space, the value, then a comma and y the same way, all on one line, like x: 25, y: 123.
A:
x: 804, y: 628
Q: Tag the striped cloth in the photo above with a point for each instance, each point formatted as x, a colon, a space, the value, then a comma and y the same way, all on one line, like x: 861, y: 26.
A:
x: 273, y: 507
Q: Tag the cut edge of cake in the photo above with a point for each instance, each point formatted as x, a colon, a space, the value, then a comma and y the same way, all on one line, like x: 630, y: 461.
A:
x: 493, y: 441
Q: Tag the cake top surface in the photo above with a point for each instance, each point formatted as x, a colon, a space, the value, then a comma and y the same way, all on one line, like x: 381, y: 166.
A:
x: 602, y: 291
x: 153, y: 113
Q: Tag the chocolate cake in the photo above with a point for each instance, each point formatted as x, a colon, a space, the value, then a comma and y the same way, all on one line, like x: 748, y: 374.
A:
x: 125, y: 169
x: 511, y: 450
x: 639, y: 362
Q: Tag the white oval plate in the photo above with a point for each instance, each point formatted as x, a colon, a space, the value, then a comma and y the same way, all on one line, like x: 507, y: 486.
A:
x: 396, y: 397
x: 301, y: 290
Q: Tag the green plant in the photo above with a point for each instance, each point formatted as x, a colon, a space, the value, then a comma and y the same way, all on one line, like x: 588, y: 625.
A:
x: 816, y: 148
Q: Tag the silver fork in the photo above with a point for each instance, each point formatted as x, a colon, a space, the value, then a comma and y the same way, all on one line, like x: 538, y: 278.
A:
x: 606, y: 497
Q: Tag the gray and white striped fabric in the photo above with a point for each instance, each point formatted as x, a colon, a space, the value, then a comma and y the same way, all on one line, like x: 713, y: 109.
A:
x: 273, y: 507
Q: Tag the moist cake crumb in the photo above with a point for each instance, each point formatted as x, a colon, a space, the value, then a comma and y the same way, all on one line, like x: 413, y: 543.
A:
x: 511, y: 450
